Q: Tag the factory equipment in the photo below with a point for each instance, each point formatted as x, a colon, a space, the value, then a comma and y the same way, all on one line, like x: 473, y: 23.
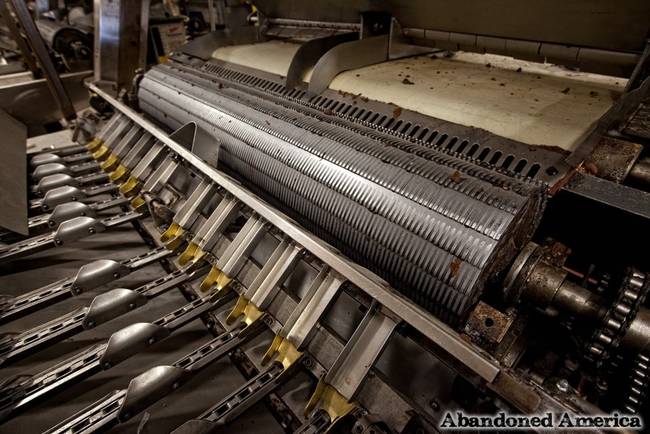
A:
x: 312, y: 178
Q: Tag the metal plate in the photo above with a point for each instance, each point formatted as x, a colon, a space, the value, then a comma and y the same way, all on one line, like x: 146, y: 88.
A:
x: 28, y: 101
x: 573, y: 22
x: 13, y: 176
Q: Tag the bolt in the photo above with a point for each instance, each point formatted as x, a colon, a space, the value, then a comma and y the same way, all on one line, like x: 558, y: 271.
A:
x: 552, y: 171
x: 76, y: 290
x: 434, y: 405
x: 116, y: 275
x: 131, y: 305
x: 90, y: 323
x: 563, y: 385
x: 107, y: 365
x: 91, y: 230
x: 151, y: 341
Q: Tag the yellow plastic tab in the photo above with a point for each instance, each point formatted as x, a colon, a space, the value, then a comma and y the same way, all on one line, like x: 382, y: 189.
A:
x: 175, y: 243
x: 192, y: 253
x: 101, y: 153
x: 288, y: 354
x: 217, y: 278
x: 330, y: 400
x: 137, y: 203
x: 110, y: 163
x: 94, y: 144
x: 273, y: 349
x: 238, y: 310
x: 118, y: 174
x: 252, y: 313
x: 130, y: 186
x: 173, y: 231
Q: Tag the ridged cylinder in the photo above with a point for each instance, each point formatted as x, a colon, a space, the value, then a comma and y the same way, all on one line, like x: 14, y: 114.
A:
x: 435, y: 226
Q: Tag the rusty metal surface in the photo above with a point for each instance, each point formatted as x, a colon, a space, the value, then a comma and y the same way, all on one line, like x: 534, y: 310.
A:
x: 486, y: 324
x: 639, y: 123
x: 613, y: 159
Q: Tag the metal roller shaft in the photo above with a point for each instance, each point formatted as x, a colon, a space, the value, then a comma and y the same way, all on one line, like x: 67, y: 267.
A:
x: 435, y: 226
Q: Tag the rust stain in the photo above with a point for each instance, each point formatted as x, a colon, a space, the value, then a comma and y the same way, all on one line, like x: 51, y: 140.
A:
x: 454, y: 267
x: 564, y: 181
x: 590, y: 168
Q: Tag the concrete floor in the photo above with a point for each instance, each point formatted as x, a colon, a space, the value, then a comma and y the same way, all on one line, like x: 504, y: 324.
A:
x: 189, y: 401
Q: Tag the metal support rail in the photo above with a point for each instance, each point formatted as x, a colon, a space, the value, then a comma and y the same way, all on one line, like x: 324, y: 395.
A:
x: 121, y: 345
x: 89, y: 276
x: 434, y: 329
x: 103, y: 308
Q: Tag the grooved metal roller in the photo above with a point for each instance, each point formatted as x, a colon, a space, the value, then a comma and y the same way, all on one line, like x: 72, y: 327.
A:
x: 434, y: 225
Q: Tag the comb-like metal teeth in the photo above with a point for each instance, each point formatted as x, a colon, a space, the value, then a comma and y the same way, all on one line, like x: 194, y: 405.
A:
x: 428, y: 222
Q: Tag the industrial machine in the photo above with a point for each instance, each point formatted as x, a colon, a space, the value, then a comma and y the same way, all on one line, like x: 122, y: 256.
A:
x: 401, y: 201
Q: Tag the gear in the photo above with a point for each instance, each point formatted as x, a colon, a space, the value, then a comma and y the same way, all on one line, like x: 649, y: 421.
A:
x: 618, y: 318
x: 638, y: 385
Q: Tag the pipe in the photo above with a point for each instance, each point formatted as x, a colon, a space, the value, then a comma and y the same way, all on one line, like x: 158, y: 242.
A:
x: 547, y: 286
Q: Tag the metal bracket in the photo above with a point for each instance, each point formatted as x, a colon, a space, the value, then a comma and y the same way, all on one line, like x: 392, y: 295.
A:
x: 346, y: 56
x: 210, y: 232
x: 336, y: 390
x: 66, y: 211
x: 188, y: 214
x: 111, y: 304
x: 50, y: 169
x: 149, y: 387
x: 298, y: 328
x: 51, y: 182
x: 130, y: 340
x: 77, y: 228
x: 185, y: 135
x: 110, y: 137
x: 98, y: 273
x: 60, y: 195
x: 137, y: 151
x: 267, y: 283
x: 161, y: 175
x: 155, y: 383
x: 121, y: 149
x: 235, y: 255
x: 309, y: 53
x: 45, y: 158
x: 150, y: 159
